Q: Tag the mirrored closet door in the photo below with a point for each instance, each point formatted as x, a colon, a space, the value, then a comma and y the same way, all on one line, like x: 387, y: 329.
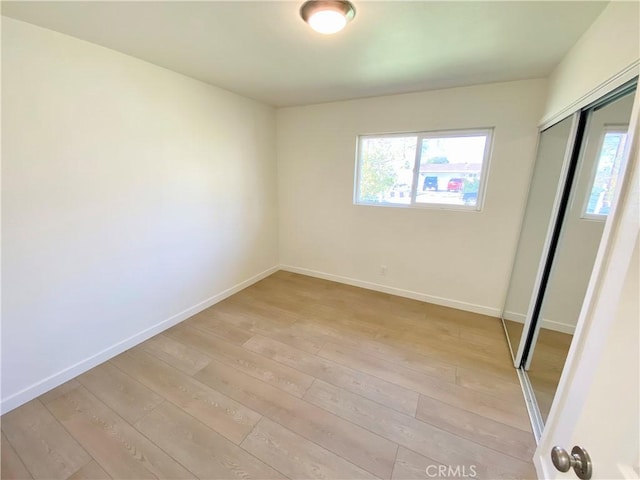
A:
x: 554, y: 146
x: 579, y: 165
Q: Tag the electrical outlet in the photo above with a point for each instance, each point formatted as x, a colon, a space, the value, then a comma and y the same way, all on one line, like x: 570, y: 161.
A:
x: 383, y: 270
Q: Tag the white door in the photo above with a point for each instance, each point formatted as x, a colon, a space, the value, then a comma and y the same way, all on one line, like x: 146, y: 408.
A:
x: 597, y: 405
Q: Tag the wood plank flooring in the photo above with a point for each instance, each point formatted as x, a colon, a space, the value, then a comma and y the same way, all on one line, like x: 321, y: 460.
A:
x: 549, y: 356
x: 294, y: 377
x: 547, y: 363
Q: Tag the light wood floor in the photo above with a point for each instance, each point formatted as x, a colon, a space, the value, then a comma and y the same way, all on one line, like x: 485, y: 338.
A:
x: 293, y: 377
x: 547, y: 363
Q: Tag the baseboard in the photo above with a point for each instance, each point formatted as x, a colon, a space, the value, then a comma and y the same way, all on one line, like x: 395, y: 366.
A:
x: 514, y: 317
x: 558, y: 326
x: 546, y: 323
x: 423, y: 297
x: 43, y: 386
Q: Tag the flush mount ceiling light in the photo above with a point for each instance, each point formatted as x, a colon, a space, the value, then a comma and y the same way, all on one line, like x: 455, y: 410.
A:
x: 327, y: 16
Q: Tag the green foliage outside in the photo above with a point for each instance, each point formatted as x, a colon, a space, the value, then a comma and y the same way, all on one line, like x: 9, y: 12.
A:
x: 609, y: 166
x: 377, y: 177
x: 471, y: 184
x: 381, y: 159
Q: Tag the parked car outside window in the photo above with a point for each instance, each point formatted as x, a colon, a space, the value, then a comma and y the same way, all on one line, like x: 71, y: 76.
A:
x: 430, y: 183
x: 455, y: 185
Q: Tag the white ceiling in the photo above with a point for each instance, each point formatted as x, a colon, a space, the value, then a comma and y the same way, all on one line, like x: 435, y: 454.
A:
x: 264, y: 51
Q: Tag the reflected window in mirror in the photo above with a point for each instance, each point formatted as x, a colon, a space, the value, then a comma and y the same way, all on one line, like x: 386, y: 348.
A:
x: 605, y: 175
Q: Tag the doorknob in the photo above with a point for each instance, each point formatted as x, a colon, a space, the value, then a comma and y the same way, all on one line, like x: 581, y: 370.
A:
x: 579, y: 460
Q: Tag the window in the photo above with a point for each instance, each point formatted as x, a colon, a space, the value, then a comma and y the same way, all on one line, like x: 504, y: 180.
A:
x: 605, y: 175
x: 439, y: 169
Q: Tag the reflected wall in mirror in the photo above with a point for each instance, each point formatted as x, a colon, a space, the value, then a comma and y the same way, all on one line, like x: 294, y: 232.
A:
x: 577, y: 171
x: 553, y: 147
x: 594, y: 183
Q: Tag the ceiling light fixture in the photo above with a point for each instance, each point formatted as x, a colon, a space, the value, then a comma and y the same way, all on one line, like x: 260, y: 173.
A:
x: 327, y: 16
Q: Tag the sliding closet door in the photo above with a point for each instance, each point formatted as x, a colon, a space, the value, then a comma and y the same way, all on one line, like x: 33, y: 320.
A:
x: 553, y: 150
x: 596, y: 178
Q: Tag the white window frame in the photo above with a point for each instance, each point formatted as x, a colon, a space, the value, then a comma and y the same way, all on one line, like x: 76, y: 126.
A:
x: 488, y: 132
x: 617, y: 128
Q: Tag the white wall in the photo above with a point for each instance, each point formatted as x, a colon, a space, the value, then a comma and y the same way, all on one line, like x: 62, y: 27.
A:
x: 457, y: 258
x: 130, y: 195
x: 608, y: 47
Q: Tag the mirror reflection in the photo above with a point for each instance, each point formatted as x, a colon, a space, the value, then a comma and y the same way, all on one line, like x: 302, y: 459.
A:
x: 577, y: 171
x: 595, y: 181
x: 539, y: 214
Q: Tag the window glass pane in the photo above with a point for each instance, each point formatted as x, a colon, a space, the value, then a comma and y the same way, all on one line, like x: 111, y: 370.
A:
x: 386, y: 169
x: 450, y: 170
x: 606, y: 175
